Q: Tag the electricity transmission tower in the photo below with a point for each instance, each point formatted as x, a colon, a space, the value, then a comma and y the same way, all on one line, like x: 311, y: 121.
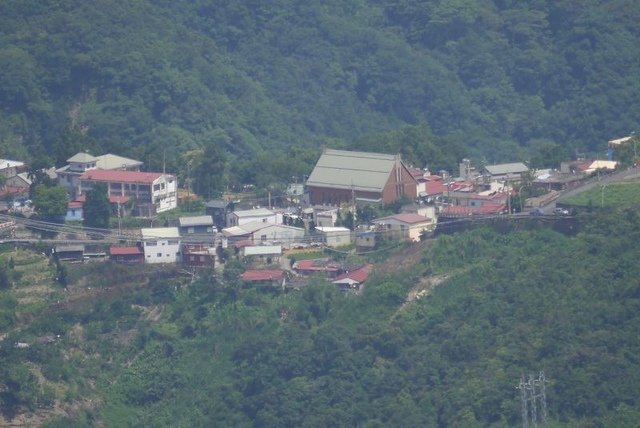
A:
x: 533, y: 396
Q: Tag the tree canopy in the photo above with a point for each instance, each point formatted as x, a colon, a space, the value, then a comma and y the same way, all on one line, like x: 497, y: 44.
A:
x: 500, y: 80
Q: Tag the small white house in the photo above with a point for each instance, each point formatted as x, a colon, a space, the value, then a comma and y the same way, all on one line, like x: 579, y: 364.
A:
x: 262, y: 215
x: 334, y: 236
x: 161, y: 244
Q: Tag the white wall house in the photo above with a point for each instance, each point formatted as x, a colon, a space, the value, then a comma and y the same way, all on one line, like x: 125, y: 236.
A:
x: 161, y: 244
x: 334, y: 236
x: 262, y: 215
x: 69, y: 175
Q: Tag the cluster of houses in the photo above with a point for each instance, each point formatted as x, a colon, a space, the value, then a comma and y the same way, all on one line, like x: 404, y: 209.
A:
x: 340, y: 182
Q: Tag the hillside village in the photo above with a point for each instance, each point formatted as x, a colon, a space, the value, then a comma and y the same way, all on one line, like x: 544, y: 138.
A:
x: 352, y: 202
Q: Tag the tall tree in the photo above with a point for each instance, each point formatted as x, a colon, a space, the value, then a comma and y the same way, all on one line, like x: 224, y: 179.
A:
x: 96, y: 209
x: 210, y: 176
x: 50, y: 202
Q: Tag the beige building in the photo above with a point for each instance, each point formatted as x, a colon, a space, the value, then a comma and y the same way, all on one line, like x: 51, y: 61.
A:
x: 407, y: 226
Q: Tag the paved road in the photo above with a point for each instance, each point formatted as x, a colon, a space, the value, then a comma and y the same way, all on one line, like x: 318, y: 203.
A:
x: 630, y: 174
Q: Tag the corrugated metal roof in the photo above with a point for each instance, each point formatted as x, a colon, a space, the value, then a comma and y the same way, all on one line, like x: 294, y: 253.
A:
x: 327, y: 229
x: 69, y: 248
x: 121, y: 176
x: 234, y: 231
x: 357, y: 276
x: 6, y: 163
x: 263, y: 275
x: 82, y: 157
x: 257, y: 212
x: 352, y: 170
x: 160, y: 232
x: 201, y: 220
x: 125, y: 251
x: 110, y: 161
x: 263, y: 250
x: 507, y: 168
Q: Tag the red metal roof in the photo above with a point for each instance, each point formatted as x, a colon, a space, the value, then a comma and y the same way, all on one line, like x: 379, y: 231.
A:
x: 359, y: 275
x: 121, y: 176
x: 263, y: 275
x: 74, y: 204
x: 315, y: 265
x: 435, y: 187
x: 125, y: 251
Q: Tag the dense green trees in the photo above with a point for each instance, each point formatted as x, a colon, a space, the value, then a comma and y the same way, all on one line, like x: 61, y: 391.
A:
x: 96, y: 209
x: 50, y: 202
x: 500, y: 80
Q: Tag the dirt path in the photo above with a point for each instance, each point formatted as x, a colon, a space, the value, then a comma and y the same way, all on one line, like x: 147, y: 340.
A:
x: 421, y: 290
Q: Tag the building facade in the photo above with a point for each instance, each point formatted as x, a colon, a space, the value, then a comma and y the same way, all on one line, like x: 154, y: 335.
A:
x: 153, y: 192
x: 343, y: 176
x: 160, y: 244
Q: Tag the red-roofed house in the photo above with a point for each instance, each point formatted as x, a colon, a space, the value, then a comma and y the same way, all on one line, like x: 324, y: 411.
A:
x: 404, y: 226
x: 153, y: 192
x: 126, y: 254
x: 354, y: 279
x: 266, y: 277
x: 310, y: 267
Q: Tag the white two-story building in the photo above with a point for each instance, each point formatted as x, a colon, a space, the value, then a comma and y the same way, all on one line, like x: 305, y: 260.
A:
x: 152, y: 192
x: 160, y: 244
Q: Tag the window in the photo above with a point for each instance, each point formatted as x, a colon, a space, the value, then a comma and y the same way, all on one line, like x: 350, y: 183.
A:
x: 263, y: 238
x: 190, y: 230
x: 159, y: 254
x: 151, y: 243
x: 162, y: 186
x: 192, y: 258
x: 156, y: 187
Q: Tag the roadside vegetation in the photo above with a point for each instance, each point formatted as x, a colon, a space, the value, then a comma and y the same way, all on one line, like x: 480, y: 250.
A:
x: 613, y: 195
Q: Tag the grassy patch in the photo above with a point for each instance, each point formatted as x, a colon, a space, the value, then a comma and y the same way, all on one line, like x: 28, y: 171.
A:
x: 611, y: 195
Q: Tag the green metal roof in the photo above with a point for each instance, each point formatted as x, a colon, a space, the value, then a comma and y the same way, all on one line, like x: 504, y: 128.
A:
x: 340, y: 169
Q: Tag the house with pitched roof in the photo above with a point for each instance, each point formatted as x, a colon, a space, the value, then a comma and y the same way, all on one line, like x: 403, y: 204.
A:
x: 506, y: 171
x: 263, y: 215
x: 160, y: 244
x: 153, y: 192
x: 69, y: 175
x: 405, y: 226
x: 352, y: 280
x: 196, y: 225
x: 344, y: 176
x: 132, y: 254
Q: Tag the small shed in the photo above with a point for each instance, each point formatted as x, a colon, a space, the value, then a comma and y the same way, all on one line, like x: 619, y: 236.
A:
x: 267, y: 254
x: 264, y: 277
x: 126, y: 254
x: 69, y: 252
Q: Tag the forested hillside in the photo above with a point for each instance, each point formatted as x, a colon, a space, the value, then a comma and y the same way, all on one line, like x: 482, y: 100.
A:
x: 495, y: 79
x: 161, y: 350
